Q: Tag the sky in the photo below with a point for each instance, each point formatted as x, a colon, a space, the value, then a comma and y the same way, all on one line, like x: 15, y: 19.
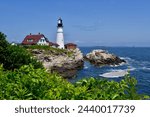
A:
x: 86, y: 22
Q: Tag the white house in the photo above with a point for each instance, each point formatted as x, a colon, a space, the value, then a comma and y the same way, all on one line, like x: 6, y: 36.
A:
x: 38, y: 39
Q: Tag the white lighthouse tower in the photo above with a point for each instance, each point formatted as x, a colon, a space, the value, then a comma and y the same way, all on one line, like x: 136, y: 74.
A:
x: 60, y: 36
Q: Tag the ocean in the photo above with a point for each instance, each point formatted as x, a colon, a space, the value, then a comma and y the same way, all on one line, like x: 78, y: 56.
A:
x: 138, y: 63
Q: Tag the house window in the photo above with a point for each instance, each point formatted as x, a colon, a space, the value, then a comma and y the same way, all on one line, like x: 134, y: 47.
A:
x: 42, y: 40
x: 30, y: 40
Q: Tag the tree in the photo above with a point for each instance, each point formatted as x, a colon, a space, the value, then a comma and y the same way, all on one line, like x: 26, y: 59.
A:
x: 3, y: 47
x: 18, y: 56
x: 3, y: 41
x: 13, y: 57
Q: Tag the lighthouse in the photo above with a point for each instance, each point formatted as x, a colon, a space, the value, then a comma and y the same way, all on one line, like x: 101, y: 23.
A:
x: 60, y: 35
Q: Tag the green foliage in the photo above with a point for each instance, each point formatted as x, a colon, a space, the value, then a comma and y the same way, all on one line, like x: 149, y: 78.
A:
x: 30, y: 83
x: 3, y: 45
x: 3, y: 42
x: 112, y: 90
x: 49, y: 49
x: 37, y: 47
x: 17, y: 56
x: 13, y: 57
x: 44, y: 47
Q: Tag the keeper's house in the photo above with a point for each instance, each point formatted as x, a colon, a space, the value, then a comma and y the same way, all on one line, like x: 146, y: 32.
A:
x: 38, y: 39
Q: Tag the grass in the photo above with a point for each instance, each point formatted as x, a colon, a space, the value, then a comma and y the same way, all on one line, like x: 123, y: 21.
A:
x: 49, y: 48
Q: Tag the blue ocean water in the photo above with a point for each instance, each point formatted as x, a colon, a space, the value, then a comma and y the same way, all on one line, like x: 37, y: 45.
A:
x: 138, y: 63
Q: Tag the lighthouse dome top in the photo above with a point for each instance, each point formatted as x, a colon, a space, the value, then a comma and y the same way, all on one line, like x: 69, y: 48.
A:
x: 60, y: 24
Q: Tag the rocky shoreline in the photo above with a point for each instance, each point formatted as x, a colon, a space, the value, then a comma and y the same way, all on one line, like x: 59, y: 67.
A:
x: 65, y: 63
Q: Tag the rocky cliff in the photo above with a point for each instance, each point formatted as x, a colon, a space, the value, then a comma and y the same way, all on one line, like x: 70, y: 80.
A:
x: 64, y: 62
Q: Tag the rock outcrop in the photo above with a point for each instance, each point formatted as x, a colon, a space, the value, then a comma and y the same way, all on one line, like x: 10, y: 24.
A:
x: 66, y: 63
x: 102, y: 57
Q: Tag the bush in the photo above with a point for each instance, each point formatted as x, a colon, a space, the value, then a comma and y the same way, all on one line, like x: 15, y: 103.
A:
x: 3, y: 42
x: 13, y: 57
x: 30, y: 83
x: 17, y: 56
x: 3, y: 45
x: 109, y: 90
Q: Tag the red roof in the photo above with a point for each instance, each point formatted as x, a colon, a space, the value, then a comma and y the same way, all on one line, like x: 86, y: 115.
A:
x: 53, y: 44
x: 34, y: 38
x: 70, y: 44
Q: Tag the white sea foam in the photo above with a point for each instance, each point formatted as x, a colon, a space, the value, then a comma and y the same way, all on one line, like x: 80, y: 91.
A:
x: 131, y: 69
x: 144, y: 63
x: 115, y: 74
x: 126, y: 58
x: 121, y: 64
x: 145, y: 68
x: 130, y: 60
x: 85, y: 67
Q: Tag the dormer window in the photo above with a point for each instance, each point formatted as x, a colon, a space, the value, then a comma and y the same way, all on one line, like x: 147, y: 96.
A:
x: 30, y: 40
x: 42, y: 40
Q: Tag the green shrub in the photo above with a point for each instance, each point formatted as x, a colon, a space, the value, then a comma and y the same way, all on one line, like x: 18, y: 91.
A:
x: 3, y: 42
x: 13, y: 57
x: 109, y: 90
x: 17, y: 56
x: 30, y: 83
x: 3, y: 45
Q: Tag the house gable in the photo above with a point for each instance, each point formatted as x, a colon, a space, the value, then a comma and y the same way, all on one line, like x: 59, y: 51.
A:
x: 42, y: 41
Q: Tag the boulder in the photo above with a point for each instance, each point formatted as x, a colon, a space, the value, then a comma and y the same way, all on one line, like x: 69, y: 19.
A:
x: 36, y: 51
x: 68, y: 70
x: 102, y: 57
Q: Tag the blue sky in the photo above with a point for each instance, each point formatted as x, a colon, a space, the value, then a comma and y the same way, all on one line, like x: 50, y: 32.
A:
x: 86, y: 22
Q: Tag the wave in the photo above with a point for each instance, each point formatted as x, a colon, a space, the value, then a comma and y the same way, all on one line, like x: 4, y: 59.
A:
x: 136, y: 63
x: 145, y: 63
x: 127, y: 58
x: 131, y: 69
x: 145, y: 68
x: 121, y: 64
x: 115, y: 74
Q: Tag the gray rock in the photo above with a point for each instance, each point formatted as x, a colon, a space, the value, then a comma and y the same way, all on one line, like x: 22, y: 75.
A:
x: 102, y: 57
x: 66, y: 66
